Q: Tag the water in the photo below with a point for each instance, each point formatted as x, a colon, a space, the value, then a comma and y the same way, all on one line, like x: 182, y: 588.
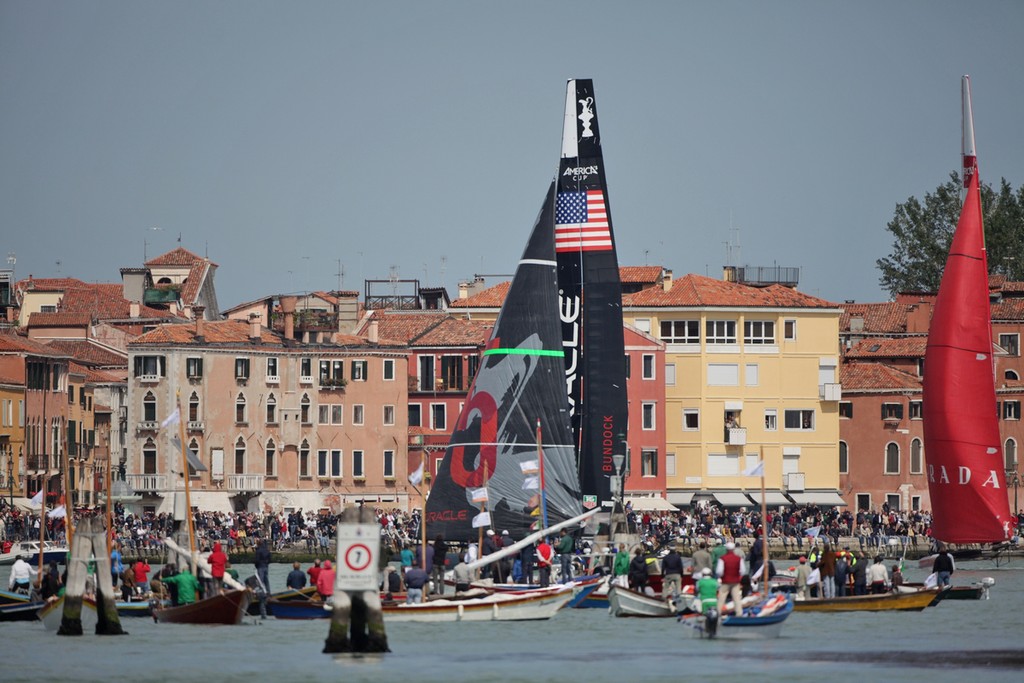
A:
x: 942, y: 643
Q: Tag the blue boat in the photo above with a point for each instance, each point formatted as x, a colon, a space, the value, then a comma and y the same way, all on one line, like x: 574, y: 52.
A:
x: 761, y: 621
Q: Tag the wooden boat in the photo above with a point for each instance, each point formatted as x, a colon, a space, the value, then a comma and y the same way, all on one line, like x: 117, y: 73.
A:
x: 227, y: 609
x: 12, y: 598
x: 51, y: 613
x: 625, y: 602
x: 509, y: 606
x: 762, y: 621
x: 20, y: 611
x: 289, y: 595
x: 29, y: 551
x: 885, y: 602
x: 976, y: 591
x: 299, y: 605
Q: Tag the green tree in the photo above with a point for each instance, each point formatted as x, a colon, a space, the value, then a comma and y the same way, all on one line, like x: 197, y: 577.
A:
x: 922, y: 232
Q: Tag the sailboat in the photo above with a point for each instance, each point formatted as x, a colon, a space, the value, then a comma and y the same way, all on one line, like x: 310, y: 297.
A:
x: 590, y: 298
x: 961, y: 428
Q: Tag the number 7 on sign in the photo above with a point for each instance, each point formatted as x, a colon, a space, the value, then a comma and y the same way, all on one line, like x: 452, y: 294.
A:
x: 358, y: 550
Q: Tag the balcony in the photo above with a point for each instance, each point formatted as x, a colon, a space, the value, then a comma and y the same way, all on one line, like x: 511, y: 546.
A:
x: 196, y: 426
x: 245, y: 483
x: 830, y: 392
x: 794, y: 481
x: 147, y: 483
x: 736, y: 436
x: 148, y: 426
x: 148, y: 379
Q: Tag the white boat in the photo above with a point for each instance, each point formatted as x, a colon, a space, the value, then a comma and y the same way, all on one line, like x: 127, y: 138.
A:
x: 761, y: 621
x: 625, y: 602
x: 29, y: 551
x: 533, y: 605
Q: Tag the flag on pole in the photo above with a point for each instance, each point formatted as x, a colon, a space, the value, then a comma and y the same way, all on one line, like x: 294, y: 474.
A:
x: 172, y: 419
x: 530, y: 466
x: 478, y: 495
x: 417, y: 476
x: 37, y: 500
x: 531, y: 482
x: 755, y: 470
x: 813, y: 531
x: 482, y: 519
x: 193, y: 458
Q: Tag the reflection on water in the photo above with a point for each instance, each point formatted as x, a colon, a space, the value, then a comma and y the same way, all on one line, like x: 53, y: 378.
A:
x: 944, y: 643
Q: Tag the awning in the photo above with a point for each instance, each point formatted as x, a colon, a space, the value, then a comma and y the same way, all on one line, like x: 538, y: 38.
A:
x: 817, y: 497
x: 683, y: 498
x: 651, y: 504
x: 731, y: 499
x: 771, y: 497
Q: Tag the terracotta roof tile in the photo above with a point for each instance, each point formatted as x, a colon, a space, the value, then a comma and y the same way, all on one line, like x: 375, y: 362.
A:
x: 430, y: 329
x: 175, y: 257
x: 214, y: 332
x: 889, y: 347
x: 876, y: 377
x: 105, y: 301
x: 13, y: 343
x: 883, y: 318
x: 641, y: 274
x: 190, y: 289
x: 1008, y: 309
x: 456, y: 332
x: 47, y: 284
x: 700, y: 291
x: 59, y: 319
x: 492, y: 297
x: 88, y: 352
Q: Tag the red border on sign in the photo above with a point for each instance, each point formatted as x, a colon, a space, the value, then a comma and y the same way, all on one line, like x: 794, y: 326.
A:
x: 348, y: 562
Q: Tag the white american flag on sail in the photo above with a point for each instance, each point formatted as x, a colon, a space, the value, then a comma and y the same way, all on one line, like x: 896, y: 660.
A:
x: 581, y: 222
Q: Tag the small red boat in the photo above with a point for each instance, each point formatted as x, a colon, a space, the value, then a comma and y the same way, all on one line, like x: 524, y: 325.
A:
x: 227, y: 609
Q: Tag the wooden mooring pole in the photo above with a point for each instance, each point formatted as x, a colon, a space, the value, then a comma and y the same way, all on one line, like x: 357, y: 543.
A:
x: 91, y: 540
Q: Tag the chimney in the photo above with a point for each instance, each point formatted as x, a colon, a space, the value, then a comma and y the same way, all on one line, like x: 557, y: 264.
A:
x: 254, y: 328
x: 133, y: 309
x: 666, y: 279
x: 372, y: 332
x: 288, y: 308
x: 198, y: 311
x: 348, y: 312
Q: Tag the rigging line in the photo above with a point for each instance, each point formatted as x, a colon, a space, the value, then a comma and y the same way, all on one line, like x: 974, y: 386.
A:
x: 523, y: 352
x: 514, y: 444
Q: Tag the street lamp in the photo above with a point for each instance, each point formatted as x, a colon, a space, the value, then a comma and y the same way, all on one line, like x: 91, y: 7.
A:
x: 1013, y: 479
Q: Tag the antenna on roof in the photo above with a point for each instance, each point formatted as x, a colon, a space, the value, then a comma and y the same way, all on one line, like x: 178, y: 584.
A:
x: 444, y: 263
x: 341, y: 275
x: 58, y: 267
x: 179, y: 238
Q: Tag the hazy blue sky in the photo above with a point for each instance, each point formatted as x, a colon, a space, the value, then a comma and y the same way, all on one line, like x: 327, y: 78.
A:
x: 280, y: 138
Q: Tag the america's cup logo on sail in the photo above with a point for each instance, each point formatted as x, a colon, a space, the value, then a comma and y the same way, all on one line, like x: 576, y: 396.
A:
x: 586, y: 116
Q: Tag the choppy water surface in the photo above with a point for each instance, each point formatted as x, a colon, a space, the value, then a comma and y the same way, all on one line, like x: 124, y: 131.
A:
x: 950, y: 642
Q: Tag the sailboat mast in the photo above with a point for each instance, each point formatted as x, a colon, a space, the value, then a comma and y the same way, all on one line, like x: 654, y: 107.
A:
x: 764, y: 528
x: 540, y: 468
x: 188, y: 486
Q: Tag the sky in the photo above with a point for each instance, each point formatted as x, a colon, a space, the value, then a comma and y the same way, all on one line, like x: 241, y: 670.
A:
x: 310, y: 146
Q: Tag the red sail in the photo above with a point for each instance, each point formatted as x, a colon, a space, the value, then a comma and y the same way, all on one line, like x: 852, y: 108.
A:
x: 961, y: 426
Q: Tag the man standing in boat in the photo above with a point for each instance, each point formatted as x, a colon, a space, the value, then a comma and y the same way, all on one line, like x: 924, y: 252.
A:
x: 545, y: 553
x: 943, y: 567
x: 731, y: 570
x: 566, y: 546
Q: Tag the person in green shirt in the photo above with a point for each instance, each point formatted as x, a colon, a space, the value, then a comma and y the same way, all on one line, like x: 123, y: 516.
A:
x: 187, y: 585
x: 707, y: 590
x: 621, y: 565
x: 566, y: 546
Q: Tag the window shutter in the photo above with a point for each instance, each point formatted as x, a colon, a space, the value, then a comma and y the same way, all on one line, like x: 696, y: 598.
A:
x: 899, y: 410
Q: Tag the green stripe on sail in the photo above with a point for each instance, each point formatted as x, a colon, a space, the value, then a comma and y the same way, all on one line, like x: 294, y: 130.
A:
x: 524, y: 352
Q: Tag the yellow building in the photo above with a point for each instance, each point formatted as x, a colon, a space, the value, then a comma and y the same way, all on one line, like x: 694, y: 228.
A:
x: 749, y: 370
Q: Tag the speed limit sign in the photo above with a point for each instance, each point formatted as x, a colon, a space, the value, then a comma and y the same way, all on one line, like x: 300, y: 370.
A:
x: 358, y: 550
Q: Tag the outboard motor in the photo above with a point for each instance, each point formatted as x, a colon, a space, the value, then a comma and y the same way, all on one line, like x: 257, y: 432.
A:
x: 986, y: 584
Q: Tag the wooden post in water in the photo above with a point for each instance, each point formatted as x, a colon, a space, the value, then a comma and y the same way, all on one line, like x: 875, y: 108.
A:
x: 74, y: 589
x: 357, y: 620
x: 108, y: 623
x: 90, y: 541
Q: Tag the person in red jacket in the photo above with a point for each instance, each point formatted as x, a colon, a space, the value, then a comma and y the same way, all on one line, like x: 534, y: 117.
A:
x: 731, y: 570
x: 325, y: 581
x: 218, y: 563
x: 545, y: 553
x: 141, y: 569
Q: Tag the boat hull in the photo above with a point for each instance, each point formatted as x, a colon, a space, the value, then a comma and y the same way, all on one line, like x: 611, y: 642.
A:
x: 623, y: 602
x: 226, y: 609
x: 52, y: 613
x: 20, y: 611
x: 29, y: 551
x: 753, y: 627
x: 534, y: 605
x: 885, y: 602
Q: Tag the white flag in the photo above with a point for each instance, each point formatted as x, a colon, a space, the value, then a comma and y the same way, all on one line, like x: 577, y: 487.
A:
x: 416, y: 477
x: 530, y: 467
x: 37, y: 500
x: 755, y: 470
x: 482, y: 519
x: 478, y: 495
x: 172, y: 419
x: 531, y: 483
x: 813, y: 531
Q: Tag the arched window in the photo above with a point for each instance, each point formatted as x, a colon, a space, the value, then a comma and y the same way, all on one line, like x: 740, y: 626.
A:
x: 271, y: 458
x: 193, y: 407
x: 149, y: 407
x: 1011, y: 374
x: 240, y: 409
x: 304, y: 410
x: 271, y: 410
x: 193, y: 447
x: 304, y: 459
x: 844, y: 458
x: 240, y: 456
x: 892, y: 458
x: 149, y: 457
x: 1010, y: 454
x: 916, y: 456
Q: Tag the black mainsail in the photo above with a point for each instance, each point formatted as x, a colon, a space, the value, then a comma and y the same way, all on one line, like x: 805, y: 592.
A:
x: 492, y: 457
x: 590, y: 298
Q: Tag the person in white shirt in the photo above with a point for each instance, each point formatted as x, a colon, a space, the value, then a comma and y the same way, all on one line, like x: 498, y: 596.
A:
x: 21, y: 576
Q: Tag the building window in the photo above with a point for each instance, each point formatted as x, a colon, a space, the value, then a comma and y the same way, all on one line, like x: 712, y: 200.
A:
x: 357, y: 414
x: 472, y: 365
x: 846, y: 410
x: 451, y: 372
x: 916, y: 457
x: 723, y: 374
x: 648, y: 361
x: 148, y: 367
x: 242, y: 368
x: 720, y: 331
x: 892, y: 458
x: 438, y: 416
x: 771, y: 420
x: 304, y: 410
x: 149, y: 407
x: 271, y: 410
x: 240, y: 456
x: 149, y: 457
x: 321, y: 463
x: 670, y: 374
x: 916, y: 410
x: 691, y: 419
x: 1011, y: 375
x: 789, y: 330
x: 844, y: 458
x: 723, y: 464
x: 193, y: 447
x: 1010, y: 342
x: 648, y: 416
x: 271, y: 458
x: 426, y: 373
x: 1011, y: 410
x: 389, y: 369
x: 1010, y: 454
x: 337, y: 414
x: 359, y: 370
x: 648, y: 462
x: 752, y: 375
x: 332, y: 373
x: 336, y: 464
x: 357, y: 465
x: 193, y: 407
x: 759, y: 332
x: 306, y: 370
x: 629, y: 366
x: 389, y: 416
x: 680, y: 331
x: 892, y: 411
x: 304, y: 459
x: 240, y: 409
x: 194, y: 368
x: 272, y: 375
x: 323, y: 414
x: 670, y: 464
x: 799, y: 420
x: 389, y: 464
